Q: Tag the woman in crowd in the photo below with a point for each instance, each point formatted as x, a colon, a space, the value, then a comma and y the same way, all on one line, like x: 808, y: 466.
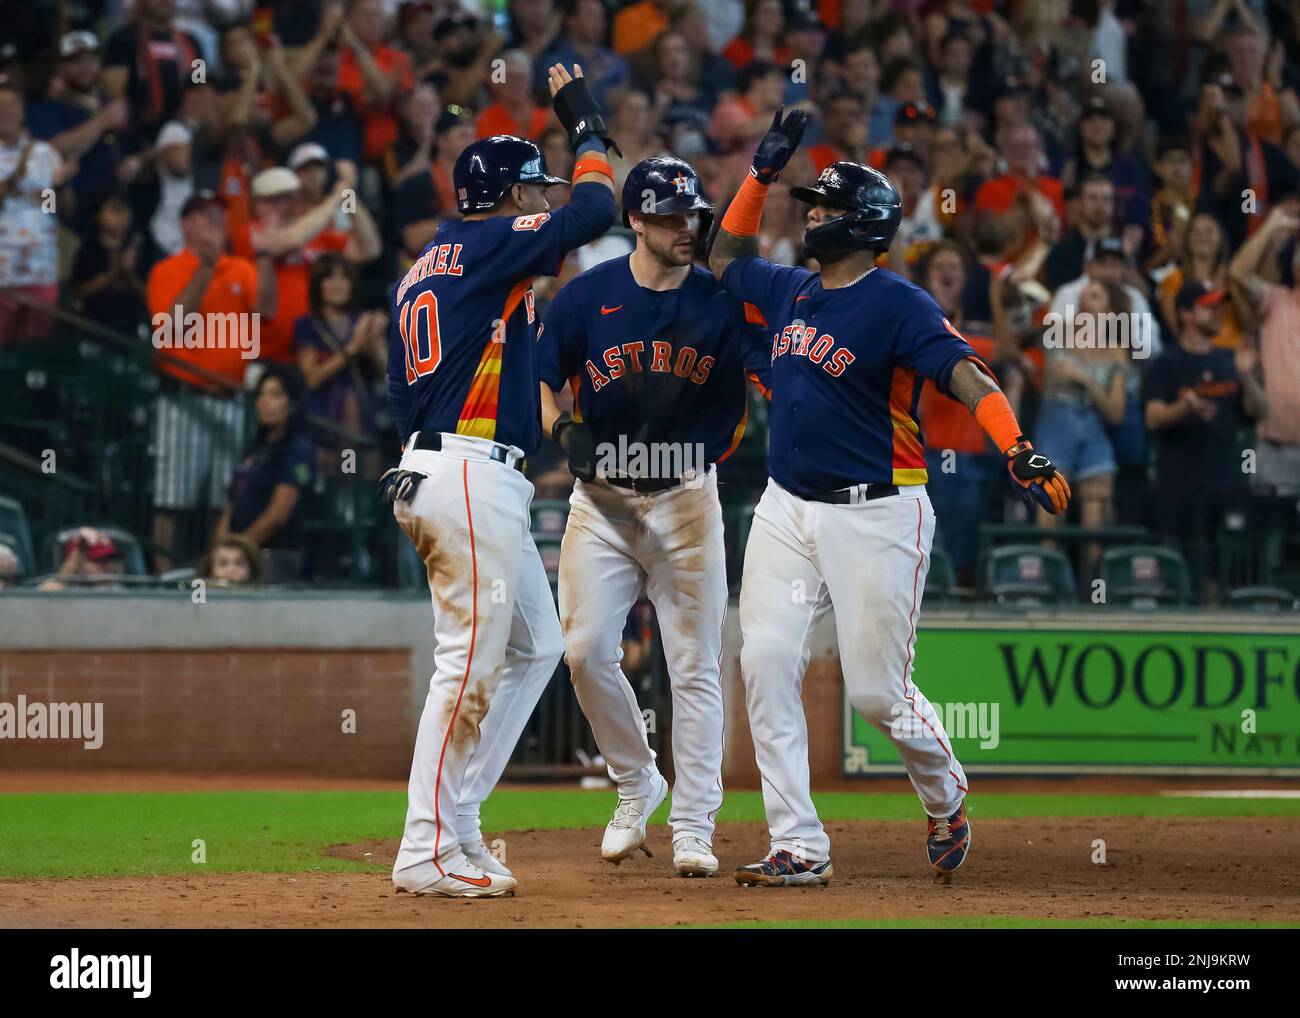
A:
x: 268, y: 488
x: 1202, y: 258
x: 761, y: 38
x: 1099, y: 148
x: 1083, y: 395
x: 340, y: 353
x: 635, y: 126
x: 675, y: 83
x: 109, y: 271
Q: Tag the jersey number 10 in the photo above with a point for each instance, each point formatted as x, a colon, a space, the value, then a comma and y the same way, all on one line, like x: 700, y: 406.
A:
x: 417, y: 321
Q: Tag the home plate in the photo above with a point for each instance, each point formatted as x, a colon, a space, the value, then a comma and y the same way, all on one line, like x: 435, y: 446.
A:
x: 1237, y: 793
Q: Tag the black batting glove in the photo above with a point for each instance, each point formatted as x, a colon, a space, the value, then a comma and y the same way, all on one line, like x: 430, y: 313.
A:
x: 1036, y: 478
x: 580, y: 115
x: 778, y: 145
x: 398, y: 485
x: 579, y: 445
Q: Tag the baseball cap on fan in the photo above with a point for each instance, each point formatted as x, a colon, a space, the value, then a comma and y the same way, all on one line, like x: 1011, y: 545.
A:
x: 308, y: 152
x: 454, y: 22
x: 1198, y: 295
x: 75, y: 43
x: 277, y: 181
x: 1096, y: 106
x: 98, y: 548
x: 1110, y: 247
x: 903, y: 152
x: 201, y: 201
x: 915, y: 113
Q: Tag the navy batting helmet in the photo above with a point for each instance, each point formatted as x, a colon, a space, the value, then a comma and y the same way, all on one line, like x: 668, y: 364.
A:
x: 490, y: 167
x: 873, y: 210
x: 662, y: 185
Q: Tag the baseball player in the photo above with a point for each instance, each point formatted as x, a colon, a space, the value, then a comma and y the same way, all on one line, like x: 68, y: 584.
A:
x: 845, y: 520
x: 463, y: 388
x: 653, y: 349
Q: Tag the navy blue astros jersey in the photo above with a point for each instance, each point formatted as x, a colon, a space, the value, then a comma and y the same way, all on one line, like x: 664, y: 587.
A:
x: 847, y: 369
x: 461, y: 349
x: 653, y: 366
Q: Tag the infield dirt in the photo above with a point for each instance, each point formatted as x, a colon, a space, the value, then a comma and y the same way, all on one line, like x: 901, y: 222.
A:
x: 1215, y: 870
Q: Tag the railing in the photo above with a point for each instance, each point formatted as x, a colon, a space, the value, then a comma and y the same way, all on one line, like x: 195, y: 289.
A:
x: 76, y: 447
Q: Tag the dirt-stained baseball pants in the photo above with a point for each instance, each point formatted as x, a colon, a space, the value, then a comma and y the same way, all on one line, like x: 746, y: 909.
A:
x: 670, y: 543
x: 869, y: 561
x: 497, y: 641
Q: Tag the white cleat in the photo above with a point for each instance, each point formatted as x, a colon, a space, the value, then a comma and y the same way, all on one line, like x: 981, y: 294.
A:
x: 478, y: 854
x: 462, y: 879
x: 693, y: 857
x: 626, y: 832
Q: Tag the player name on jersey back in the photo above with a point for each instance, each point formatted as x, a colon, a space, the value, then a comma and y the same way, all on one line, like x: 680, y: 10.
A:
x: 439, y: 260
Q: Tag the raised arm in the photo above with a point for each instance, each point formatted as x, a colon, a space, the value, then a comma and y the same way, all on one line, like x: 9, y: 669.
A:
x: 579, y: 114
x: 737, y: 235
x: 590, y: 210
x: 1244, y: 268
x: 299, y: 231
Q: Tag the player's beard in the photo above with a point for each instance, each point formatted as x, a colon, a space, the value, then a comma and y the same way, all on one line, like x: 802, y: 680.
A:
x: 668, y: 254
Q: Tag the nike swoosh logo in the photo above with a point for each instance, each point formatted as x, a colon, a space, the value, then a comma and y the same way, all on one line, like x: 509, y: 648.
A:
x: 476, y: 881
x: 609, y: 311
x: 806, y: 296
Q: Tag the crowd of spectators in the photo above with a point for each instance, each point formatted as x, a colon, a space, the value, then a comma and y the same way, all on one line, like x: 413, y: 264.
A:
x: 1069, y: 169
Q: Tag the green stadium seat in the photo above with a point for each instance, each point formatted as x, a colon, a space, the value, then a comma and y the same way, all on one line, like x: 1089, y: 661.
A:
x: 13, y: 521
x: 549, y: 516
x: 549, y: 548
x: 1029, y: 576
x: 941, y: 581
x: 1145, y: 576
x: 1263, y: 599
x: 11, y: 542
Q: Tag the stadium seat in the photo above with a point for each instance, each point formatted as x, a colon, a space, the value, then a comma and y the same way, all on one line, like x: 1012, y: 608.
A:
x: 13, y: 521
x: 1145, y: 576
x: 738, y: 520
x: 411, y: 572
x: 1029, y: 576
x: 549, y: 548
x: 1263, y: 599
x: 132, y: 555
x: 24, y: 567
x: 549, y: 516
x: 941, y: 581
x: 281, y: 565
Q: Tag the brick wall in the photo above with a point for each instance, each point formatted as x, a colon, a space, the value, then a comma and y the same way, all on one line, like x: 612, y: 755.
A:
x: 822, y: 689
x: 236, y: 710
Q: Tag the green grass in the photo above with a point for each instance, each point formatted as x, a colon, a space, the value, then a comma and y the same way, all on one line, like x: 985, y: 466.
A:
x: 989, y: 922
x: 117, y: 834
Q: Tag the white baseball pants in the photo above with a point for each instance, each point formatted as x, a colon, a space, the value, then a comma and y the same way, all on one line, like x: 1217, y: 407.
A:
x: 670, y: 543
x: 497, y: 642
x: 869, y: 561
